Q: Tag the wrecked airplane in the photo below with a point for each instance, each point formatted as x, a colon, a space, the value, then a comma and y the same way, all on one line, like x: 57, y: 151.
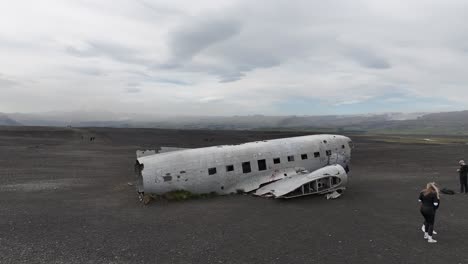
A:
x: 279, y: 168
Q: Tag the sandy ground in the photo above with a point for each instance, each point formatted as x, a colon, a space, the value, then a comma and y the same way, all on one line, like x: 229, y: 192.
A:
x: 65, y: 199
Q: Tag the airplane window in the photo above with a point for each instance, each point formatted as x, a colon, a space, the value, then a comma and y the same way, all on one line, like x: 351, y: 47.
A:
x: 290, y: 158
x: 316, y: 154
x: 262, y: 165
x: 246, y: 167
x: 211, y: 171
x: 276, y: 160
x: 328, y: 152
x: 229, y: 167
x: 304, y: 156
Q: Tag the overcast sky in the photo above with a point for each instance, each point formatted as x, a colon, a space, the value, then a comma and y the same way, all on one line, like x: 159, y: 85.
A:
x: 233, y: 57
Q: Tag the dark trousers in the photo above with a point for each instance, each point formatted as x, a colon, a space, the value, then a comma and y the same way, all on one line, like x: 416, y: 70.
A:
x: 429, y: 218
x: 463, y: 184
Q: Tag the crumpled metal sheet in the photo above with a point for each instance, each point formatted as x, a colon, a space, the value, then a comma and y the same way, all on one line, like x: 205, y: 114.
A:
x: 288, y: 184
x: 333, y: 195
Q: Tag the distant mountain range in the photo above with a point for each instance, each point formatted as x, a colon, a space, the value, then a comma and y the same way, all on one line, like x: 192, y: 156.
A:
x: 408, y: 123
x: 6, y: 121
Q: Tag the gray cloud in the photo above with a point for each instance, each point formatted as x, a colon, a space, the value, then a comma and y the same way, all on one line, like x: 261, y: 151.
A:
x: 210, y: 100
x: 195, y: 36
x: 146, y: 77
x: 150, y: 10
x: 230, y: 77
x: 233, y: 49
x: 179, y: 56
x: 132, y: 90
x: 88, y: 71
x: 111, y: 50
x: 368, y: 58
x: 236, y: 61
x: 6, y: 83
x: 133, y: 84
x: 170, y: 81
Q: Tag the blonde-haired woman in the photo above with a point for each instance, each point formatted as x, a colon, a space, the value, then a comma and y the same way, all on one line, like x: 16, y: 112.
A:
x: 430, y: 201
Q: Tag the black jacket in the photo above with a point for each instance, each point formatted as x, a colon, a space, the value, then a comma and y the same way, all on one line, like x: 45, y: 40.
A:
x: 463, y: 170
x: 429, y: 201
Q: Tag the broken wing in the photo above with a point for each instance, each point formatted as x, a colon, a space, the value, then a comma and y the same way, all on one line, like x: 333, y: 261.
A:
x: 324, y: 180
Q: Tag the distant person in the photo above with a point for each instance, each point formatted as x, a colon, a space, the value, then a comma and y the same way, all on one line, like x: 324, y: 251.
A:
x: 463, y: 171
x: 430, y: 200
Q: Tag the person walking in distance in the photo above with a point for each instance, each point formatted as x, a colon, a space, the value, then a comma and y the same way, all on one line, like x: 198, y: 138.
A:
x: 430, y: 201
x: 463, y: 171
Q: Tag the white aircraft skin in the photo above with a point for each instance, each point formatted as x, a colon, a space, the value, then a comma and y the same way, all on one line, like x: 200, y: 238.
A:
x: 316, y: 159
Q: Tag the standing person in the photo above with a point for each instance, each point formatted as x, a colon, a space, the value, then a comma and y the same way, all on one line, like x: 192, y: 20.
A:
x: 463, y: 171
x: 430, y: 200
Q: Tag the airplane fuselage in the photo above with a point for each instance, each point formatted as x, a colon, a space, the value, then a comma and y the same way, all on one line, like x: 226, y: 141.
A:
x: 240, y: 168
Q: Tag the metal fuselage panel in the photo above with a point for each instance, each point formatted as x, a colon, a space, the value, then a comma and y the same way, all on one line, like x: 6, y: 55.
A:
x: 189, y: 169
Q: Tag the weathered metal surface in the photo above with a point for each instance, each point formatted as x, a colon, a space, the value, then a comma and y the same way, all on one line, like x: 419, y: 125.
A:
x: 223, y: 169
x: 149, y: 152
x: 170, y: 149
